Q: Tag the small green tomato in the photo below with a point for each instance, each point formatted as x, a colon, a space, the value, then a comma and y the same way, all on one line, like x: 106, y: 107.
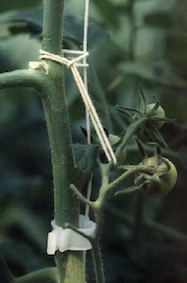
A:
x: 159, y: 113
x: 161, y: 181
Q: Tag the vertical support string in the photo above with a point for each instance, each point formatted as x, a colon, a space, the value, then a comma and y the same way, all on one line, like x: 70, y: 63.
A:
x: 85, y: 80
x: 85, y: 76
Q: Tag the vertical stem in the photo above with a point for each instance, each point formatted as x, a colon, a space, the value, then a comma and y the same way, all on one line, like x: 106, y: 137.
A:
x: 53, y: 26
x: 66, y: 205
x: 97, y: 259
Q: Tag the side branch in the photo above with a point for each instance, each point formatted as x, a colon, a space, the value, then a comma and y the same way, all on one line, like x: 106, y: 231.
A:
x: 21, y: 78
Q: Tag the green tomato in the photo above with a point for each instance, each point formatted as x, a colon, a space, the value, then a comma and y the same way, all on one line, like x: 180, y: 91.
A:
x: 159, y: 183
x: 159, y: 113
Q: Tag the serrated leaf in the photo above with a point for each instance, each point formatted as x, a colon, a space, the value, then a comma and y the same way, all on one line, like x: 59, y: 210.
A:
x: 85, y: 157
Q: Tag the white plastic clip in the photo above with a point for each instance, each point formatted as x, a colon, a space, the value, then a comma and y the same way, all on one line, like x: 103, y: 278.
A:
x: 67, y: 239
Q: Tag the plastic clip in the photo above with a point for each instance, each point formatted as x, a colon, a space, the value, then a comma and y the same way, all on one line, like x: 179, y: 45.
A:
x: 67, y: 239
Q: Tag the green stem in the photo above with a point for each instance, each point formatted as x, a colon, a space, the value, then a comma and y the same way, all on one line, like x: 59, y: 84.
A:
x: 81, y: 197
x: 21, y: 78
x: 51, y: 89
x: 53, y: 26
x: 97, y: 259
x: 66, y: 204
x: 131, y: 131
x: 62, y: 159
x: 99, y: 203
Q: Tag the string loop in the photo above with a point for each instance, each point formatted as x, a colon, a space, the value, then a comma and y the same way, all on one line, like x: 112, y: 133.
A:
x: 72, y: 65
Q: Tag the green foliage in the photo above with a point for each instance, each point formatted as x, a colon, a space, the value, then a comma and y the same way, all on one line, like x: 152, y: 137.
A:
x: 30, y: 21
x: 85, y: 157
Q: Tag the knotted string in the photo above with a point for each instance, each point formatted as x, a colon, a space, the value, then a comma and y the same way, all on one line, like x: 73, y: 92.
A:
x: 73, y: 65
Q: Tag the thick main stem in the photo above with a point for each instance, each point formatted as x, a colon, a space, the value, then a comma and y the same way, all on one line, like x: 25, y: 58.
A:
x: 66, y: 205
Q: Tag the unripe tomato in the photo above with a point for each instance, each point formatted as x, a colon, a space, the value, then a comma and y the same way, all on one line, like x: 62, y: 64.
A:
x: 159, y: 113
x: 162, y: 181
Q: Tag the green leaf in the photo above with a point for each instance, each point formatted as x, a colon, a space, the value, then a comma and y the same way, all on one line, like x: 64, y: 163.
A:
x: 30, y: 21
x: 85, y: 157
x: 26, y: 20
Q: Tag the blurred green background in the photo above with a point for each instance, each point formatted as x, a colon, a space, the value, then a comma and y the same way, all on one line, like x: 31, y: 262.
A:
x: 130, y: 42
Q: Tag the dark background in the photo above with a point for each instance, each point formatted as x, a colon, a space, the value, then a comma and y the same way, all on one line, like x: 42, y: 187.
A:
x: 130, y: 42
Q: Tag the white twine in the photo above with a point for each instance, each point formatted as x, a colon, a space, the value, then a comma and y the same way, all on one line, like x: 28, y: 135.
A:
x: 85, y: 76
x: 72, y: 65
x: 85, y: 80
